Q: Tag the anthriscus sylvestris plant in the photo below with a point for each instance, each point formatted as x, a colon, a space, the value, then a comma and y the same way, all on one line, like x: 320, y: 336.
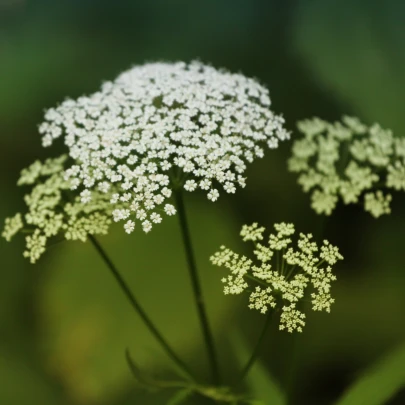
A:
x: 132, y: 148
x: 349, y: 161
x: 161, y: 129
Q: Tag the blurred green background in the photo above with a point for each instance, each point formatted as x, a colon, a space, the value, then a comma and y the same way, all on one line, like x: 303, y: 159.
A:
x: 64, y: 324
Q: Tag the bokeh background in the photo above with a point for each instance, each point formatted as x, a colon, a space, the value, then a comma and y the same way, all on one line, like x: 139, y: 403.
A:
x: 64, y: 324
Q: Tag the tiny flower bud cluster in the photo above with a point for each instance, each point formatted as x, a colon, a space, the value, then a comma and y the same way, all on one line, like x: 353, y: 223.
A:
x: 280, y: 274
x: 12, y: 226
x: 348, y: 160
x: 162, y: 126
x: 51, y: 212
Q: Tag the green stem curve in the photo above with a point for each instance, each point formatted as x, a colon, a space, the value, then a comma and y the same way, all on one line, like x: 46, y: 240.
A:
x: 256, y: 350
x: 196, y: 285
x: 140, y: 311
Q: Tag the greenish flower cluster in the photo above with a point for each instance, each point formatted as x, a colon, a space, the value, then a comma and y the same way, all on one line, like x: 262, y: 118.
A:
x: 280, y: 273
x: 51, y: 212
x: 348, y: 160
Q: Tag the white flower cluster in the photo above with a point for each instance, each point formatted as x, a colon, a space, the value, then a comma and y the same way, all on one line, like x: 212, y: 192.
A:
x: 159, y: 127
x: 50, y: 212
x: 348, y: 160
x: 280, y: 273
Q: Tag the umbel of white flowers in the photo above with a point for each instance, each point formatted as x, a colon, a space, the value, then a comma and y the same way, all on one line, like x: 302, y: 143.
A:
x: 52, y: 210
x: 161, y: 127
x: 279, y: 274
x: 347, y: 160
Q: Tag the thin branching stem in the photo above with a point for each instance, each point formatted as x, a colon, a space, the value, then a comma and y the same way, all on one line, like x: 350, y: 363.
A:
x: 256, y: 350
x: 139, y: 309
x: 258, y: 280
x: 195, y: 281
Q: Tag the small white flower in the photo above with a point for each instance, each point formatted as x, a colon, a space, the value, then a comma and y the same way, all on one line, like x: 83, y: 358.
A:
x: 104, y: 187
x: 377, y: 203
x: 129, y: 226
x: 213, y: 195
x: 229, y: 187
x: 242, y: 181
x: 166, y: 192
x: 149, y: 204
x: 165, y: 165
x: 158, y: 199
x: 114, y: 198
x: 126, y: 197
x: 190, y: 185
x: 170, y: 210
x: 156, y: 218
x: 272, y: 143
x: 74, y: 184
x: 120, y: 214
x: 147, y: 226
x: 132, y: 160
x: 141, y: 214
x: 85, y: 196
x: 134, y: 206
x: 205, y: 184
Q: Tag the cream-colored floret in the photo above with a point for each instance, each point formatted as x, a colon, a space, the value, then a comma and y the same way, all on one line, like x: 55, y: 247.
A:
x: 377, y: 203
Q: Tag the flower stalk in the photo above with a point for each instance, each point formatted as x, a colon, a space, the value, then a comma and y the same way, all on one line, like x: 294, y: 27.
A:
x: 139, y: 309
x: 256, y: 350
x: 196, y: 285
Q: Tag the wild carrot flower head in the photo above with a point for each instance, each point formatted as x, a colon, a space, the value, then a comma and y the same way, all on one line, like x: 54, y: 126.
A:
x: 280, y: 271
x: 348, y: 160
x: 160, y: 127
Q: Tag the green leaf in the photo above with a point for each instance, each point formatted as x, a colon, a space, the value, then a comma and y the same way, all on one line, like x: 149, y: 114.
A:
x: 261, y: 383
x: 180, y: 396
x: 379, y: 383
x: 139, y: 377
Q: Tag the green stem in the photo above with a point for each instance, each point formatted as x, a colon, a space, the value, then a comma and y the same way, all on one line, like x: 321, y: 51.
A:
x: 294, y: 357
x: 258, y: 280
x: 138, y: 308
x: 257, y: 348
x: 290, y: 271
x: 199, y: 300
x: 282, y: 261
